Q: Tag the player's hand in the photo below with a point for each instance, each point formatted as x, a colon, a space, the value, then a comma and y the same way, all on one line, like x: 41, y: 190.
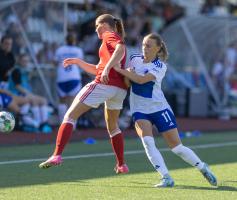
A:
x: 130, y: 69
x: 70, y: 61
x: 117, y: 68
x: 105, y: 77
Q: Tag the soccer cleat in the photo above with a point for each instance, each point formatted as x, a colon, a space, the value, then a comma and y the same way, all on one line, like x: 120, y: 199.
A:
x: 207, y: 173
x: 166, y: 181
x: 52, y: 161
x: 123, y: 169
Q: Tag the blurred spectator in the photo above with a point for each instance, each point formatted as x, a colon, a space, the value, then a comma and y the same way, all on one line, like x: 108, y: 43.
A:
x: 233, y: 9
x: 194, y: 77
x: 16, y: 104
x: 218, y: 75
x: 214, y: 8
x: 68, y: 79
x: 233, y: 87
x: 230, y: 60
x: 19, y: 45
x: 19, y: 85
x: 7, y: 60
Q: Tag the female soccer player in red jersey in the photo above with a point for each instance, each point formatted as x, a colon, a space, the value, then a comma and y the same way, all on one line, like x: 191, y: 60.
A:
x: 108, y: 87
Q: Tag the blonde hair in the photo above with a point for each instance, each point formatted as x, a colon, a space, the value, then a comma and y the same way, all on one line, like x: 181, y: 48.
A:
x: 113, y: 22
x: 163, y: 52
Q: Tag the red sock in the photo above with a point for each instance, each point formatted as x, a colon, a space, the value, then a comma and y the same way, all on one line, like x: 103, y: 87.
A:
x: 64, y: 134
x: 118, y: 148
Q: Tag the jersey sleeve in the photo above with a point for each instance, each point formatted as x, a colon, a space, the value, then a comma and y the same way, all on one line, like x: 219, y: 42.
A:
x: 133, y: 60
x: 158, y: 71
x: 130, y: 65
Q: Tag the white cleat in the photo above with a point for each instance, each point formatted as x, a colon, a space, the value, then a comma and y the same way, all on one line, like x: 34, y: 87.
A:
x: 208, y: 174
x: 166, y: 181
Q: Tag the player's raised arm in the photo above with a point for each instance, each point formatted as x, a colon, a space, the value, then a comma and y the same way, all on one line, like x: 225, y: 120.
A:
x: 89, y: 68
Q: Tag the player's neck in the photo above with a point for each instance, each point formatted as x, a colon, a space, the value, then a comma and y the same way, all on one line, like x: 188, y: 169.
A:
x: 148, y: 60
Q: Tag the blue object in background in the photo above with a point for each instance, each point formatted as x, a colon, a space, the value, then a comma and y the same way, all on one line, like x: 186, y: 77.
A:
x: 89, y: 141
x: 182, y: 135
x: 189, y: 134
x: 196, y: 133
x: 29, y: 129
x: 46, y: 129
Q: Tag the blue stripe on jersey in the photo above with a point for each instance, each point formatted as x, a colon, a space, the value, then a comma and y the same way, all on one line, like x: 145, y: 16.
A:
x: 157, y: 63
x: 135, y: 55
x: 144, y: 90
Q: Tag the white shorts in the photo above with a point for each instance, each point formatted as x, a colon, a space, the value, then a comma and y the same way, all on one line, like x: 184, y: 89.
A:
x: 93, y: 94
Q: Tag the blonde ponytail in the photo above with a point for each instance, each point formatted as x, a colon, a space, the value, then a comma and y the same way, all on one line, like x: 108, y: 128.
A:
x: 119, y: 27
x: 163, y: 53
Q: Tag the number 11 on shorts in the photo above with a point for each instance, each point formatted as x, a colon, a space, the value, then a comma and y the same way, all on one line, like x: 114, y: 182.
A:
x: 166, y: 116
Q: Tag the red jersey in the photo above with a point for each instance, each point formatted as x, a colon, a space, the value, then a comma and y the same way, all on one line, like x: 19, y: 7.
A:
x: 109, y: 42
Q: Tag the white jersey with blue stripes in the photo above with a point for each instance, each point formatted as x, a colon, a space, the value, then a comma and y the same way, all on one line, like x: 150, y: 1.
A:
x: 71, y: 72
x: 147, y: 98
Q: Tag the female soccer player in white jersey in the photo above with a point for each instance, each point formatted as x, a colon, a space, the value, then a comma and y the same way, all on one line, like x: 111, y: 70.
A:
x: 68, y: 79
x: 108, y: 87
x: 149, y: 106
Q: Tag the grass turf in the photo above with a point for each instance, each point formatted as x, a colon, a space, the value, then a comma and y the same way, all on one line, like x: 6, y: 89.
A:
x: 93, y: 178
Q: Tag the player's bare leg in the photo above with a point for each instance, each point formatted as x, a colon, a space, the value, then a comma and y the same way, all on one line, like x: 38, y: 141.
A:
x: 117, y: 141
x: 64, y: 133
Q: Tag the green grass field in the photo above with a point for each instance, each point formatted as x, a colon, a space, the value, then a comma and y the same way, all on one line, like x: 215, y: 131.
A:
x: 93, y: 177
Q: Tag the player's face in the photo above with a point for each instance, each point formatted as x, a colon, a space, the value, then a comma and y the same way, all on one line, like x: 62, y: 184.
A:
x: 99, y: 29
x: 150, y: 49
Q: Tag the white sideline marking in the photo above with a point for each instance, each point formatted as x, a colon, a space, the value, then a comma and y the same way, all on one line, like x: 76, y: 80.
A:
x: 95, y: 155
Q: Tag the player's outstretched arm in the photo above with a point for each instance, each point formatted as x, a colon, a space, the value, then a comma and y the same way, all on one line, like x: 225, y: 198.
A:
x: 135, y: 77
x: 89, y: 68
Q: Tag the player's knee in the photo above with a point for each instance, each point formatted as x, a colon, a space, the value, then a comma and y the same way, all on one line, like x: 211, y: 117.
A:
x: 69, y: 120
x: 114, y: 132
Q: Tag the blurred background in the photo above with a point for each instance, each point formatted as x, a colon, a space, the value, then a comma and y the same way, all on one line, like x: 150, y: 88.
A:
x: 201, y: 36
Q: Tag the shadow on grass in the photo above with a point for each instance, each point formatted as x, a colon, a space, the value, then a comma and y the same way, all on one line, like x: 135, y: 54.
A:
x: 230, y: 181
x: 114, y: 186
x: 219, y: 188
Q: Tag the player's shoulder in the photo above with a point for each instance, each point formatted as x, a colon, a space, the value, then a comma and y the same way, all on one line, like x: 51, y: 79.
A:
x: 158, y: 63
x: 136, y: 56
x: 77, y: 49
x: 61, y: 48
x: 111, y: 34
